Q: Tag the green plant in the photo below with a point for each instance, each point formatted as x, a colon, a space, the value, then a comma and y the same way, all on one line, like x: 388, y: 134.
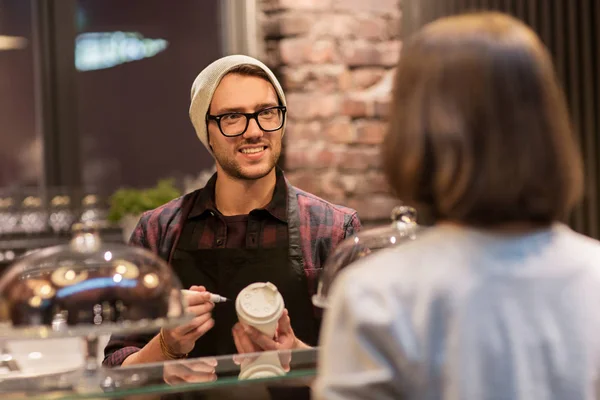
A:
x: 135, y: 201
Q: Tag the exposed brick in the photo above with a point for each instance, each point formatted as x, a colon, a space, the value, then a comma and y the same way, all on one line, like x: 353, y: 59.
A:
x: 296, y: 132
x: 373, y: 6
x: 389, y: 52
x: 361, y: 183
x: 294, y: 50
x: 335, y: 59
x: 363, y: 78
x: 334, y: 25
x: 272, y: 53
x: 345, y: 80
x: 331, y: 186
x: 306, y: 156
x: 360, y: 158
x: 339, y: 198
x: 378, y: 207
x: 357, y: 106
x: 374, y: 183
x: 371, y: 28
x: 306, y: 106
x: 300, y: 50
x: 286, y: 24
x: 352, y: 182
x: 382, y: 107
x: 358, y: 53
x: 318, y: 78
x: 394, y: 27
x: 321, y: 52
x: 370, y: 131
x: 340, y: 130
x: 269, y: 5
x: 296, y: 158
x: 304, y: 180
x: 325, y: 158
x: 278, y: 5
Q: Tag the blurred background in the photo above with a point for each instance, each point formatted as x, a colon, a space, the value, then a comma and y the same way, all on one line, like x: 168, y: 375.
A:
x: 94, y: 97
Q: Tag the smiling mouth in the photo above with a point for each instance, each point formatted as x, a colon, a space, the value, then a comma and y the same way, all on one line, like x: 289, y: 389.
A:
x: 253, y: 150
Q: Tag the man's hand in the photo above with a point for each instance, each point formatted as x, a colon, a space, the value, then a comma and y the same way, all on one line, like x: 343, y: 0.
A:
x: 181, y: 340
x: 250, y: 340
x: 201, y: 370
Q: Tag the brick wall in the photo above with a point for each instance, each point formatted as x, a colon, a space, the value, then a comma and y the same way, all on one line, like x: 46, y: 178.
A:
x: 335, y: 60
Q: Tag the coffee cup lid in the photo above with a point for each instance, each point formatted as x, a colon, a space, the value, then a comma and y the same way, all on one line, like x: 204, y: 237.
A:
x: 260, y: 300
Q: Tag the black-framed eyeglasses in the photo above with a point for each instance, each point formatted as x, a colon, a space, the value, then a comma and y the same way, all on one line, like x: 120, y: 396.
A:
x: 235, y: 124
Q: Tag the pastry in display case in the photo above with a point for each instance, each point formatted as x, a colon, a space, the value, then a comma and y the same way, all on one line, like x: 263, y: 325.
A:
x: 82, y: 290
x: 403, y: 228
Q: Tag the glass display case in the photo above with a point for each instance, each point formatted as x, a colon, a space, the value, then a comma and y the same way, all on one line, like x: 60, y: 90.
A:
x: 269, y: 375
x: 403, y: 228
x: 80, y: 291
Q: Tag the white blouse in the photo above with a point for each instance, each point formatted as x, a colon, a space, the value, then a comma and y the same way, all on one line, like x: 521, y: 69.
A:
x: 466, y: 314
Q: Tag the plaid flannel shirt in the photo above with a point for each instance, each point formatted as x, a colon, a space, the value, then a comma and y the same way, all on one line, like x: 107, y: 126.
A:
x: 322, y: 227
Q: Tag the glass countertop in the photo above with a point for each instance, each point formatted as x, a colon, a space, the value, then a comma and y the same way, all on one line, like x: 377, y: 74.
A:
x: 268, y: 375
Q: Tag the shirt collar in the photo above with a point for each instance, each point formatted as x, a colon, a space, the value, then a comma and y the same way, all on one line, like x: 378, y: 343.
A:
x: 277, y: 207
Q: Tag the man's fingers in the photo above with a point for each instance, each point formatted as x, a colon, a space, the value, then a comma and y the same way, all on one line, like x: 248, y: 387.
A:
x: 190, y: 378
x: 284, y: 325
x: 196, y: 288
x: 201, y: 366
x: 209, y: 361
x: 259, y: 339
x: 195, y: 298
x: 285, y: 357
x: 200, y: 309
x: 192, y: 325
x: 203, y: 328
x: 242, y: 342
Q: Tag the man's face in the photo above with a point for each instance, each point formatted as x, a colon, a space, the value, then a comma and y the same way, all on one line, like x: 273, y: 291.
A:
x: 254, y: 154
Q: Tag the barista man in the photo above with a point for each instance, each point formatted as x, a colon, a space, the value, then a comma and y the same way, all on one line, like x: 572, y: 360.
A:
x: 248, y: 224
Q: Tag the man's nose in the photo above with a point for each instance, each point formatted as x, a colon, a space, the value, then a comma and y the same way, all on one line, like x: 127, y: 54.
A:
x: 253, y: 131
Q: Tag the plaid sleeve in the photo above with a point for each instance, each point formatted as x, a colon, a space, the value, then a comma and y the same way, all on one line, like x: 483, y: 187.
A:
x: 352, y: 226
x: 121, y: 347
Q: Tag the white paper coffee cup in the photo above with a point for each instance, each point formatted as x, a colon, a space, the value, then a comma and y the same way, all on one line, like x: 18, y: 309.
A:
x: 260, y: 305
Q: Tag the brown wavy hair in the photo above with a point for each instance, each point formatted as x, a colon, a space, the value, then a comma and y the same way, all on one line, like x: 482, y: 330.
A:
x: 479, y: 129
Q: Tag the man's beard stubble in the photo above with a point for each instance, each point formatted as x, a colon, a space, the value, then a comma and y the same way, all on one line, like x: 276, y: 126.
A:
x: 232, y: 168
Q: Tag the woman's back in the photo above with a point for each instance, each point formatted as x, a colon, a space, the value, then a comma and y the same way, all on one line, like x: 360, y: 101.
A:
x: 479, y: 136
x: 463, y: 314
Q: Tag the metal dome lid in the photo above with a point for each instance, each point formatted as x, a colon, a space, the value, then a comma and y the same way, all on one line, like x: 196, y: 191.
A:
x: 88, y: 286
x: 403, y: 228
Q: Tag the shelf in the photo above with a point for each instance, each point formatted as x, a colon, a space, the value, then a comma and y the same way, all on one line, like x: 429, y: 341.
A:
x: 46, y: 240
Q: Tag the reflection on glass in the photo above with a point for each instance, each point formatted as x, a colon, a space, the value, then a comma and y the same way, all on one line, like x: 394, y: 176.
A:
x: 241, y: 375
x: 100, y: 50
x: 193, y: 371
x: 404, y: 228
x: 265, y: 365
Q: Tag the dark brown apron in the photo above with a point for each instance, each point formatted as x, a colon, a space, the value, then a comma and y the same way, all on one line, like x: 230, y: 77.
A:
x: 227, y: 271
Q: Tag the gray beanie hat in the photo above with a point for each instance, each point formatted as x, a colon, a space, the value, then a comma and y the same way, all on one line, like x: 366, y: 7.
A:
x: 206, y: 83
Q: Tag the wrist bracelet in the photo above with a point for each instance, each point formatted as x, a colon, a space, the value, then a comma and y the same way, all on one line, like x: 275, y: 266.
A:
x: 167, y: 352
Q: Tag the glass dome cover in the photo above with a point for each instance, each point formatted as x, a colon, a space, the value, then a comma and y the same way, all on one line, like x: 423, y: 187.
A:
x: 403, y: 228
x: 88, y: 287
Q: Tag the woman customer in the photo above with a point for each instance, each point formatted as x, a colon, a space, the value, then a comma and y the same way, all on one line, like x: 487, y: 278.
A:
x: 498, y: 300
